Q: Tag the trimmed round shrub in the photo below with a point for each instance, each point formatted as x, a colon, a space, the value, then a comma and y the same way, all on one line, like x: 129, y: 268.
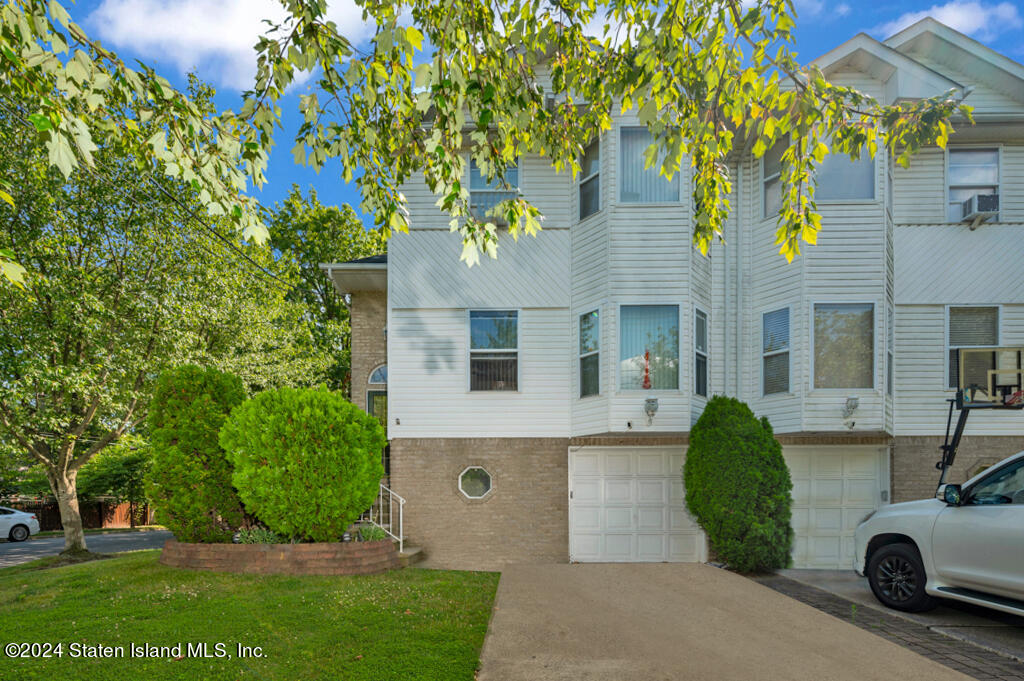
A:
x: 190, y: 478
x: 738, y: 487
x: 307, y: 461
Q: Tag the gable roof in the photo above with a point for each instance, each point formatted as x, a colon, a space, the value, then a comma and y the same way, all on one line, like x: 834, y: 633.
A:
x: 903, y: 76
x: 938, y: 43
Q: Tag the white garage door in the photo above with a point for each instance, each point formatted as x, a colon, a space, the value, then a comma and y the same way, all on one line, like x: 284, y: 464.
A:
x: 833, y: 489
x: 627, y: 505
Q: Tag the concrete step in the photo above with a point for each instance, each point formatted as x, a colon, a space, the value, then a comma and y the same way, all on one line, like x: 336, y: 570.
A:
x: 411, y: 555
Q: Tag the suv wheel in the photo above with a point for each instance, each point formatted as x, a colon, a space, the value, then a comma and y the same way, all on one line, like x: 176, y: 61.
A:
x: 897, y: 578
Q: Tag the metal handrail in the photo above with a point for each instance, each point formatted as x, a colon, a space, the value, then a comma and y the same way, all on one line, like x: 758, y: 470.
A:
x: 389, y: 525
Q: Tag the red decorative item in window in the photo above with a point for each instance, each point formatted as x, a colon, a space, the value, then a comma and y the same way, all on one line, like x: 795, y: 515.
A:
x: 647, y: 370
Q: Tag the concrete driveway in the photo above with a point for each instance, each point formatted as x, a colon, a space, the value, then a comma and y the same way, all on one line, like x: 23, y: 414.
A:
x: 624, y: 622
x: 997, y: 631
x: 13, y: 553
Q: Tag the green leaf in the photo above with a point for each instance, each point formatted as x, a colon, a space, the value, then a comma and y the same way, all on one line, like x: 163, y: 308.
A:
x: 7, y: 198
x: 60, y: 154
x: 41, y: 121
x: 415, y: 37
x: 13, y: 272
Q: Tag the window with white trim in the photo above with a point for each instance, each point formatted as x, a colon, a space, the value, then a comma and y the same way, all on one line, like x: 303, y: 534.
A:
x: 775, y: 351
x: 844, y: 343
x: 649, y: 347
x: 771, y: 178
x: 377, y: 394
x: 700, y: 352
x: 485, y: 194
x: 590, y: 179
x: 493, y: 350
x: 842, y: 179
x: 971, y: 171
x: 590, y: 355
x: 638, y: 183
x: 972, y: 327
x: 475, y: 482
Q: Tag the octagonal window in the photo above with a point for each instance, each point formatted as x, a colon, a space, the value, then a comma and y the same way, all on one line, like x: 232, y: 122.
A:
x: 475, y: 482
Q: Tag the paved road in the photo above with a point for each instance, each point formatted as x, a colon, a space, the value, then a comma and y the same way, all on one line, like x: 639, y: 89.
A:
x: 675, y: 622
x: 997, y: 631
x: 13, y: 553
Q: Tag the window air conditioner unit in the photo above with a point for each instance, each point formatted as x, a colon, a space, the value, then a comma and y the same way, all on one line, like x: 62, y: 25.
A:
x: 980, y: 207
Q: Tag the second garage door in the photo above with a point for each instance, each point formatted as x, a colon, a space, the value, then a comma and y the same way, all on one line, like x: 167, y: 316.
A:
x: 627, y: 505
x: 834, y: 487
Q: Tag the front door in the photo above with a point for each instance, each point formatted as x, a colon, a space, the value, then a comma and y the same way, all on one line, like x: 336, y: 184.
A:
x: 980, y: 545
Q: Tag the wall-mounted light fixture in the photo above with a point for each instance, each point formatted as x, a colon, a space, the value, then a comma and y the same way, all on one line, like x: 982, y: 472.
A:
x: 650, y: 408
x: 851, y: 406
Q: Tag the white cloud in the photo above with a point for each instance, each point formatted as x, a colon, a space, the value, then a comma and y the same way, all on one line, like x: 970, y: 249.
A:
x: 980, y: 20
x: 216, y: 37
x: 842, y: 9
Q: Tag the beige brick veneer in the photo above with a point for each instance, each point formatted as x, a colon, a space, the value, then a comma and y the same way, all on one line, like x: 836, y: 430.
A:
x: 369, y: 315
x: 523, y: 519
x: 914, y: 475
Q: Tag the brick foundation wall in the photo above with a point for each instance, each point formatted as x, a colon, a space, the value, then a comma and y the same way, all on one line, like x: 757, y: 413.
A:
x: 351, y: 558
x: 524, y: 518
x: 914, y: 475
x: 368, y: 316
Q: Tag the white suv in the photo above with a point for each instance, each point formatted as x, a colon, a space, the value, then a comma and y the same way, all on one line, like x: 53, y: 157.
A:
x: 968, y: 545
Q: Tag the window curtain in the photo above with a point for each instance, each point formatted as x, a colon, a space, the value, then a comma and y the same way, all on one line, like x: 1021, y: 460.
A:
x: 637, y: 184
x: 653, y: 329
x: 844, y: 341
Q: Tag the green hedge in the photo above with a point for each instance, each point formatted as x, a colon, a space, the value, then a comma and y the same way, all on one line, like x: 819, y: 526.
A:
x: 307, y: 461
x: 738, y: 487
x: 190, y: 478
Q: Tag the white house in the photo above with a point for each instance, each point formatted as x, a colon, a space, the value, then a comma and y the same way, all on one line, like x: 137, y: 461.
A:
x: 517, y: 406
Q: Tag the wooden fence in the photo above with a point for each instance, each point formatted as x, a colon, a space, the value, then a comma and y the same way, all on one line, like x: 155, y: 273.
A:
x: 95, y: 514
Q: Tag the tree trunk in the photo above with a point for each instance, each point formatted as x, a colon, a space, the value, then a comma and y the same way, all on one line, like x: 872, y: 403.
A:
x: 65, y: 488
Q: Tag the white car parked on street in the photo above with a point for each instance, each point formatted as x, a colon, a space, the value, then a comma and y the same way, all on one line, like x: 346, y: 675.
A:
x: 967, y: 544
x: 17, y: 525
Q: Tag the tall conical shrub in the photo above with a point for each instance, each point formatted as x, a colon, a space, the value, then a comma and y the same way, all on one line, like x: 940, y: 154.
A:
x: 738, y: 487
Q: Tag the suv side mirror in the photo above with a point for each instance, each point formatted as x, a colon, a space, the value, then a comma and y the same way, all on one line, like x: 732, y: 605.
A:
x: 951, y: 495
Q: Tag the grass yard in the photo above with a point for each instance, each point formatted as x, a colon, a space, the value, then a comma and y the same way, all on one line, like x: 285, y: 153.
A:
x: 407, y: 624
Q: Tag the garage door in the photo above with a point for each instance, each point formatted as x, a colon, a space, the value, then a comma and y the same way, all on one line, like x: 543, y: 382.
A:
x: 833, y: 489
x: 627, y: 505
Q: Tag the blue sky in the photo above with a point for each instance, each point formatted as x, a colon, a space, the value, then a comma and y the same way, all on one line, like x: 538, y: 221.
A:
x: 215, y: 38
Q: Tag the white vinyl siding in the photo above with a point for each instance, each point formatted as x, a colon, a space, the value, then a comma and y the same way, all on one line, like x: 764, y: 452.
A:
x: 640, y: 184
x: 775, y: 352
x: 844, y: 345
x: 428, y: 369
x: 771, y: 179
x: 970, y: 171
x: 970, y: 327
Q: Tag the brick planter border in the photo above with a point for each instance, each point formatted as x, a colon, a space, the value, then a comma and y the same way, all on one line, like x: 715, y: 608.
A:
x: 350, y: 558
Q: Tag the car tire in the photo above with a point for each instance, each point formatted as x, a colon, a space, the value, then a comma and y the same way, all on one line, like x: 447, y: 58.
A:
x: 897, y: 578
x: 18, y: 533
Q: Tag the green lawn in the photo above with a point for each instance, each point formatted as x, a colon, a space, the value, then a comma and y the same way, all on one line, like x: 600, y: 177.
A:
x: 407, y: 624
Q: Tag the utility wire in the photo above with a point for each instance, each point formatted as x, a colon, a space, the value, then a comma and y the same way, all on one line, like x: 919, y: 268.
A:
x: 190, y: 213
